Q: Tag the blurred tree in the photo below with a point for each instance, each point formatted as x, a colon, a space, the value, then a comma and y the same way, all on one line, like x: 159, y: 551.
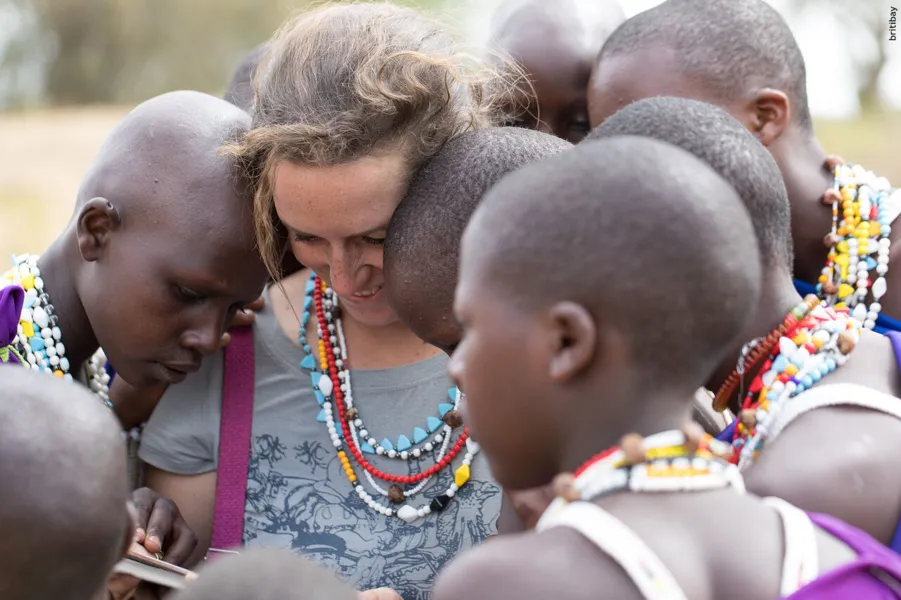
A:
x: 123, y: 51
x: 866, y: 43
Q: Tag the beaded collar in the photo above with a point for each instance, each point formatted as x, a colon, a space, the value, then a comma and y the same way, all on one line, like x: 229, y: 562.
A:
x: 331, y: 380
x: 39, y: 340
x: 812, y: 341
x: 673, y: 461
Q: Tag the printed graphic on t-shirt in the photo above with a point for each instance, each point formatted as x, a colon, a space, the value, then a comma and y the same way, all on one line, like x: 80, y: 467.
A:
x: 300, y: 498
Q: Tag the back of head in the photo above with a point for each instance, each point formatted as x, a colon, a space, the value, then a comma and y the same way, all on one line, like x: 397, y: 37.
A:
x: 591, y: 20
x: 726, y: 46
x: 712, y: 135
x: 653, y: 243
x: 62, y: 472
x: 240, y: 88
x: 345, y: 81
x: 423, y: 240
x: 266, y: 575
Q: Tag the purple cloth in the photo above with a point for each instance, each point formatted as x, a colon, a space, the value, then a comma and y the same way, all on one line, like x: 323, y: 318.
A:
x: 12, y: 298
x: 875, y: 575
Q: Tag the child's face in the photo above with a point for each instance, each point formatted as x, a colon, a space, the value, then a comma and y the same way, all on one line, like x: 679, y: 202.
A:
x: 170, y: 278
x: 501, y: 366
x: 559, y: 73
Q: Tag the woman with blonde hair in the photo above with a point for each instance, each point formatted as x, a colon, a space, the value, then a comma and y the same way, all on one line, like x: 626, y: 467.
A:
x: 358, y: 454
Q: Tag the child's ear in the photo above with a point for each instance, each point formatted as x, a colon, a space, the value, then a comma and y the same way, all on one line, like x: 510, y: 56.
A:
x: 575, y: 337
x: 96, y: 220
x: 770, y: 115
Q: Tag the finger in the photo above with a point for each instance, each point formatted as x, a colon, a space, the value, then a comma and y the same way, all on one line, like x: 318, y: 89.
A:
x: 142, y: 501
x: 226, y: 340
x: 257, y: 305
x: 159, y: 525
x: 182, y: 544
x: 243, y: 318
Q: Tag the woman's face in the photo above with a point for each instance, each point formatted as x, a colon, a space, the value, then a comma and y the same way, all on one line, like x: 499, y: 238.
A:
x: 337, y: 217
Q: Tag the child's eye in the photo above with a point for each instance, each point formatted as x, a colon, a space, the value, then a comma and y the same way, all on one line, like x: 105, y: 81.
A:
x: 187, y: 295
x: 374, y: 241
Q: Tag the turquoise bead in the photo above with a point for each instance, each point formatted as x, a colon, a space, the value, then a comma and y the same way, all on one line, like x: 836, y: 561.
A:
x: 308, y: 362
x: 365, y: 447
x: 780, y: 364
x: 387, y: 445
x: 311, y: 285
x: 871, y: 263
x: 445, y: 408
x: 452, y: 394
x: 433, y: 424
x: 307, y: 302
x: 314, y: 377
x: 419, y: 435
x: 319, y: 397
x: 37, y: 342
x: 305, y: 319
x: 321, y: 416
x: 807, y: 381
x: 403, y: 443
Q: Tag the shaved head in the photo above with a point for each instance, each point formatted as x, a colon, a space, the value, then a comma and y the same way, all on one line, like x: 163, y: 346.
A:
x: 266, y: 575
x: 556, y: 44
x: 62, y: 471
x: 164, y: 235
x: 240, y: 89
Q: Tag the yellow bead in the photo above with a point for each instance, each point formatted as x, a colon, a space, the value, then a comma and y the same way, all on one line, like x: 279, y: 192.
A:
x: 845, y: 290
x: 874, y: 228
x: 462, y: 475
x: 28, y: 282
x: 823, y: 279
x: 791, y: 370
x: 27, y: 328
x: 842, y: 247
x: 840, y: 305
x: 58, y: 373
x: 801, y: 339
x: 842, y: 260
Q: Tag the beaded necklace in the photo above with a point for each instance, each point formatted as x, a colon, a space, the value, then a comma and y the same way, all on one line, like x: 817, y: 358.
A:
x: 672, y: 461
x: 811, y: 342
x: 39, y: 340
x: 330, y: 376
x: 861, y: 226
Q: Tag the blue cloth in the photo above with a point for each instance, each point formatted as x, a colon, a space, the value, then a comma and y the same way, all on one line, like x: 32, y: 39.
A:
x: 726, y: 434
x: 884, y: 324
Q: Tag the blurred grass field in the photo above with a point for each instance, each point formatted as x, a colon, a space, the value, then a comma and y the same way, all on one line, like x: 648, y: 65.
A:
x: 44, y: 154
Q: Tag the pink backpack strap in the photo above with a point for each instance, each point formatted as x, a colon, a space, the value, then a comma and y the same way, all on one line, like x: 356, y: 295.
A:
x: 234, y: 441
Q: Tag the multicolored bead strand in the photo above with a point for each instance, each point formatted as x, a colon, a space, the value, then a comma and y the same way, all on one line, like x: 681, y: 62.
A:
x: 333, y: 390
x: 39, y: 340
x: 761, y: 350
x: 817, y: 345
x: 861, y: 226
x: 686, y: 460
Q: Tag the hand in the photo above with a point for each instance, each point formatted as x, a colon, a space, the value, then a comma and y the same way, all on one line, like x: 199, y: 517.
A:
x: 123, y: 587
x: 379, y: 594
x: 243, y: 318
x: 161, y: 528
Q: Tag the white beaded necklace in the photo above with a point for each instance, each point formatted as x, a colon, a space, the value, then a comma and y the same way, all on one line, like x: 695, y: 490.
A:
x: 39, y: 339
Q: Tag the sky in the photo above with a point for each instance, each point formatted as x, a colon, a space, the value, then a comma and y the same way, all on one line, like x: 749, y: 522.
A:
x: 825, y: 42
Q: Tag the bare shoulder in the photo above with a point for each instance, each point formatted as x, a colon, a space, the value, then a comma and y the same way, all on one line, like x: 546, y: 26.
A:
x: 558, y: 564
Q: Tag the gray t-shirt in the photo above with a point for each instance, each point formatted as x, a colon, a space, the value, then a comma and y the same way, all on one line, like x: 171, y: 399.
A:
x: 298, y: 496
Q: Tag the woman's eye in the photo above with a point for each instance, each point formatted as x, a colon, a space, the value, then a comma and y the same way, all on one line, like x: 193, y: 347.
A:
x: 374, y: 241
x: 306, y: 239
x: 188, y: 295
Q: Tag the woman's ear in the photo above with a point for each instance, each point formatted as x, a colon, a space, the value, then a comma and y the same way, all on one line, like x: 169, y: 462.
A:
x: 770, y: 115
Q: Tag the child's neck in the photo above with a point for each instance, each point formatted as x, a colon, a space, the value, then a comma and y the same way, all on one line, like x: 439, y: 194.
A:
x: 642, y: 412
x: 777, y: 298
x: 801, y: 160
x: 59, y: 275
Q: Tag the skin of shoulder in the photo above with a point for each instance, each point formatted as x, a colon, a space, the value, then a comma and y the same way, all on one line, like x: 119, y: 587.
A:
x: 841, y: 461
x: 557, y: 564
